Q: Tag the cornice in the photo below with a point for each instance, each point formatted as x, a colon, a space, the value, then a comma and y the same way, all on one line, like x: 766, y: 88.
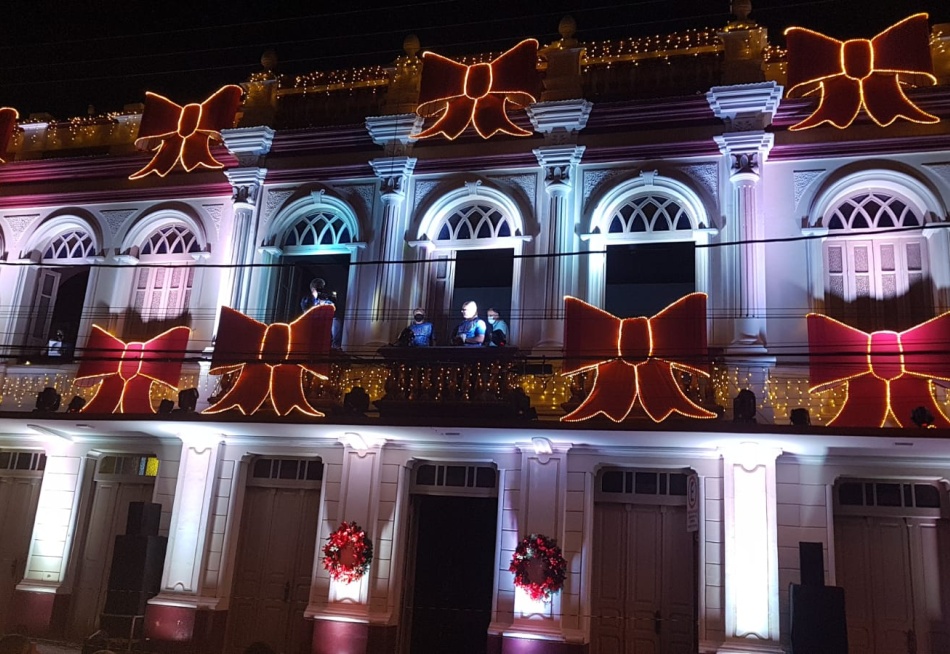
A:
x: 220, y: 189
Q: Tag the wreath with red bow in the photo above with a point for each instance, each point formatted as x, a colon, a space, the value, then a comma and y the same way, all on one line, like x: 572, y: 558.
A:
x: 348, y: 553
x: 539, y: 567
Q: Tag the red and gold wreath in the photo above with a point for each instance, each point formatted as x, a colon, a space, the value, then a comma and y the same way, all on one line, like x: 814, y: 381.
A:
x: 184, y: 133
x: 348, y: 553
x: 128, y: 370
x: 478, y: 94
x: 8, y: 118
x: 861, y: 73
x: 886, y: 374
x: 539, y: 567
x: 635, y: 358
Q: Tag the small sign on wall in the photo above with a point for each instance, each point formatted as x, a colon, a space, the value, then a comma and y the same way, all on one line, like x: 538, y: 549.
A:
x: 692, y: 503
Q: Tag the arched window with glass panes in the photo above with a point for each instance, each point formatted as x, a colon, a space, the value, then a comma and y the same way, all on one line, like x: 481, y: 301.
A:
x: 877, y: 274
x: 316, y: 229
x: 165, y: 276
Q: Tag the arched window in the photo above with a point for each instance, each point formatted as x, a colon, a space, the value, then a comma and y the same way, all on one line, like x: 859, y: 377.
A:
x: 75, y: 244
x: 318, y: 228
x: 876, y: 278
x: 650, y: 213
x: 165, y: 276
x: 476, y: 221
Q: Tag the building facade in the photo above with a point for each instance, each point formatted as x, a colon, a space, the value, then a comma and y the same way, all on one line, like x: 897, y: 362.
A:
x: 655, y: 168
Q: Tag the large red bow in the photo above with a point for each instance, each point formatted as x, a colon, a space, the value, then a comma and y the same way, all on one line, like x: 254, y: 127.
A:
x: 127, y: 370
x: 859, y: 72
x: 477, y: 94
x: 8, y: 119
x: 272, y: 360
x: 635, y: 358
x: 886, y: 374
x: 185, y: 133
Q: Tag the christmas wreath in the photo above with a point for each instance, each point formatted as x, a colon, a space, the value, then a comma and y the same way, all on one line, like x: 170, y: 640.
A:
x: 539, y: 567
x: 348, y: 553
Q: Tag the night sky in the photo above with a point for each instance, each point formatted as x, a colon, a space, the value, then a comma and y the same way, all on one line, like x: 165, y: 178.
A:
x: 60, y: 57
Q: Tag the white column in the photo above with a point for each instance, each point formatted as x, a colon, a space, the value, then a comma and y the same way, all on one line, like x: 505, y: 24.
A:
x: 249, y: 145
x: 750, y: 529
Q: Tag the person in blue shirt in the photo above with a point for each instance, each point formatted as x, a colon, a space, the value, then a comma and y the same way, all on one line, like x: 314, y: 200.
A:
x: 319, y: 296
x: 420, y: 330
x: 471, y: 331
x: 498, y: 329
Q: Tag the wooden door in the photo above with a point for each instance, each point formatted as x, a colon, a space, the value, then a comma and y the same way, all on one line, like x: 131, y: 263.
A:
x: 41, y: 314
x: 643, y: 598
x: 274, y: 567
x: 895, y: 574
x: 18, y: 499
x: 107, y: 519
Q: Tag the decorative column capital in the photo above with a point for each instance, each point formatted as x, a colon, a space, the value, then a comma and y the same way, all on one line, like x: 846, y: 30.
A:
x: 559, y: 162
x: 560, y: 121
x: 249, y: 144
x: 394, y: 172
x: 394, y: 133
x: 246, y: 184
x: 747, y: 151
x: 745, y: 107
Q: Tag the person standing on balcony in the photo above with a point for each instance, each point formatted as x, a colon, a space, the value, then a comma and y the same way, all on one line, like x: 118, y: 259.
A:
x: 498, y: 329
x: 471, y: 331
x: 320, y: 296
x: 419, y: 333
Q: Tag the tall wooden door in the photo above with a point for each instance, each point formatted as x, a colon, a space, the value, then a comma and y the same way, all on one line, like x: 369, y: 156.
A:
x: 896, y: 574
x: 643, y: 580
x: 18, y: 499
x: 107, y: 519
x: 274, y: 568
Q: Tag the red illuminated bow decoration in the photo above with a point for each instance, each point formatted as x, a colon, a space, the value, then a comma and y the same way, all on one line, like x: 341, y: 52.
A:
x: 8, y: 119
x: 127, y: 370
x: 859, y: 72
x: 886, y: 374
x: 635, y: 358
x: 477, y: 94
x: 185, y: 133
x: 271, y: 359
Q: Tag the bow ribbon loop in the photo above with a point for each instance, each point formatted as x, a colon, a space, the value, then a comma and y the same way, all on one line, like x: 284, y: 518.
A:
x: 886, y: 374
x: 861, y: 72
x: 635, y: 358
x: 271, y: 360
x: 184, y: 133
x: 128, y: 370
x: 477, y: 94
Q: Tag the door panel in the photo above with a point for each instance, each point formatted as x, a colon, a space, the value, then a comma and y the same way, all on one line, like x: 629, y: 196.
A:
x: 18, y: 499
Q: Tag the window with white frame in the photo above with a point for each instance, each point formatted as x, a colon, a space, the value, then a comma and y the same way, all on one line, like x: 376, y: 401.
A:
x: 318, y: 228
x: 165, y: 276
x: 475, y: 221
x: 877, y: 274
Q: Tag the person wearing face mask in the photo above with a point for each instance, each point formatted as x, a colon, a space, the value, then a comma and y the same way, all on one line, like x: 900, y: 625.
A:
x: 419, y: 333
x: 471, y: 331
x: 498, y: 329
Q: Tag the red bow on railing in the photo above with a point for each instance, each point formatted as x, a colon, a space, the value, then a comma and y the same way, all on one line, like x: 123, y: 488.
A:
x: 128, y: 370
x: 272, y: 360
x: 477, y: 94
x: 855, y: 73
x: 887, y: 374
x: 8, y: 118
x: 635, y: 358
x: 185, y: 133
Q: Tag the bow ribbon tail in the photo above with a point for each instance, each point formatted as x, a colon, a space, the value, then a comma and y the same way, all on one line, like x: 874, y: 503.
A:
x: 136, y: 396
x: 458, y: 114
x: 886, y: 102
x: 908, y: 393
x: 249, y: 391
x: 613, y: 394
x: 866, y: 404
x: 287, y: 391
x: 107, y: 397
x: 196, y: 151
x: 839, y: 104
x: 165, y: 157
x: 661, y: 395
x: 489, y: 117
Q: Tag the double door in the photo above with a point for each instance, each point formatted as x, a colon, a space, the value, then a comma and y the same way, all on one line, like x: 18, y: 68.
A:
x: 643, y: 580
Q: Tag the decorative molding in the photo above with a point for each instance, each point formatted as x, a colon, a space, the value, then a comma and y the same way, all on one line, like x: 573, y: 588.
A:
x: 707, y: 175
x: 18, y: 224
x: 527, y: 182
x: 365, y: 192
x: 802, y: 179
x: 745, y: 107
x: 115, y: 218
x: 595, y: 178
x: 272, y: 202
x: 941, y: 170
x: 214, y: 212
x: 421, y: 189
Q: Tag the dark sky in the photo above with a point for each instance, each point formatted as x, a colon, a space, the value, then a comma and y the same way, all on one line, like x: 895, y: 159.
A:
x: 60, y: 57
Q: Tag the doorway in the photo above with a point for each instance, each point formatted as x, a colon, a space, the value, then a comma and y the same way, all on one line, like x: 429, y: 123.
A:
x: 57, y: 307
x: 484, y: 277
x: 275, y: 557
x: 642, y: 279
x: 451, y: 566
x: 644, y: 581
x: 893, y: 561
x: 21, y: 474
